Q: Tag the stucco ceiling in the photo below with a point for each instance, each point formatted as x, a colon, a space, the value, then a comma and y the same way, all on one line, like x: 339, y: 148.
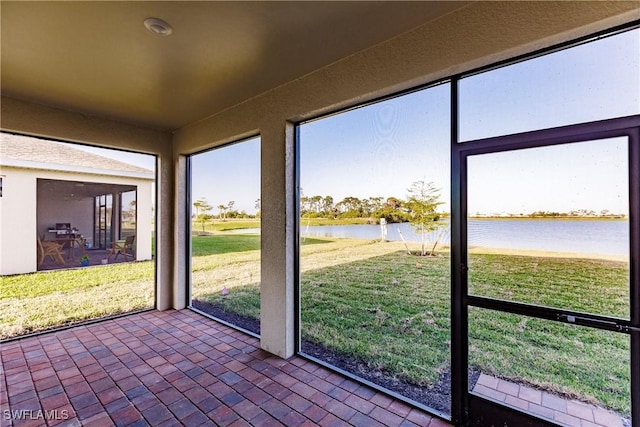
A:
x: 78, y: 190
x: 97, y: 58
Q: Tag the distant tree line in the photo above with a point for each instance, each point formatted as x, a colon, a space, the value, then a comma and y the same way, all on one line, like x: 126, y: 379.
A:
x: 392, y: 209
x: 576, y: 213
x: 605, y: 213
x: 420, y: 209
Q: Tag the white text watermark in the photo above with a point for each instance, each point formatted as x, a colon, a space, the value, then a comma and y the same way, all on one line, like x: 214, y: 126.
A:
x: 29, y: 414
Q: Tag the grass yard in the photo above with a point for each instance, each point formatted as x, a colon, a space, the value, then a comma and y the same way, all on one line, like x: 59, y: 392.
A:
x: 390, y: 310
x: 219, y: 225
x: 31, y: 302
x: 231, y: 261
x: 577, y: 361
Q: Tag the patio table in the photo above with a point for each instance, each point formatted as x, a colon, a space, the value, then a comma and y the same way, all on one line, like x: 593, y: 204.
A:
x: 72, y: 243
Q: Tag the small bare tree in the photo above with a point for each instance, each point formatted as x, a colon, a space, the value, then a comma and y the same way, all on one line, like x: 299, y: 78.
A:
x: 423, y: 201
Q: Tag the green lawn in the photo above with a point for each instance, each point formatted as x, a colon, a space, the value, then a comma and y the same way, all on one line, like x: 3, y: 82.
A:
x: 375, y: 303
x: 219, y: 225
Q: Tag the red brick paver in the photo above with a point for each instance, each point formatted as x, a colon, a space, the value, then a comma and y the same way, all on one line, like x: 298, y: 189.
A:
x: 178, y: 368
x: 546, y: 405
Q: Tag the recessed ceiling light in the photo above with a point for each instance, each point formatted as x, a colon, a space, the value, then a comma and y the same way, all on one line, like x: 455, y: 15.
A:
x: 158, y: 26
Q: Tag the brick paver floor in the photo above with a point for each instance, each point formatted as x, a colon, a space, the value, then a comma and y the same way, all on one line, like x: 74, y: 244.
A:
x: 562, y: 411
x: 178, y: 368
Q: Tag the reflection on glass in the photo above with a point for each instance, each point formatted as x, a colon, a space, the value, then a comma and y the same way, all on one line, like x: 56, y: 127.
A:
x: 225, y: 241
x: 561, y: 372
x: 367, y: 305
x: 594, y: 81
x: 550, y: 226
x: 102, y: 230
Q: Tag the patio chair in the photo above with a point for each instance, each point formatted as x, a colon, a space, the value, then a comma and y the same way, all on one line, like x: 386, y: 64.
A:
x: 124, y: 247
x: 49, y: 249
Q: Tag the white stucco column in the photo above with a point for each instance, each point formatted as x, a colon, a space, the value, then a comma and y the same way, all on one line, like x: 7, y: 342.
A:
x: 277, y: 305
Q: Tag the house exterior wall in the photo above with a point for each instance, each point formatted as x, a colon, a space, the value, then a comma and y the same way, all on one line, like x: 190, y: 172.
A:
x: 144, y: 223
x: 17, y: 222
x: 24, y: 214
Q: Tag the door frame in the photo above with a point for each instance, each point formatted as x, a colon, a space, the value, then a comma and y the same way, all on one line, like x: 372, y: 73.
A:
x: 469, y: 409
x: 101, y: 237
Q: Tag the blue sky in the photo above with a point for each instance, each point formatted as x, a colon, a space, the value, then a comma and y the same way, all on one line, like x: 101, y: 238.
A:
x: 229, y: 173
x: 586, y: 175
x: 380, y: 149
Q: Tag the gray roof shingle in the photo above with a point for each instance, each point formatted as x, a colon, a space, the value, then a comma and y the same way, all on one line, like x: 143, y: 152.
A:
x: 18, y: 147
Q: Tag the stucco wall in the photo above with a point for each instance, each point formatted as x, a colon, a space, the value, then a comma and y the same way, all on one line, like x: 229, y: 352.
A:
x: 17, y: 222
x: 144, y: 224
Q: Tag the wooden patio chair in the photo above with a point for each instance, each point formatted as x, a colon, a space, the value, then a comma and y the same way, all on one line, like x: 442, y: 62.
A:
x: 122, y: 247
x: 50, y: 249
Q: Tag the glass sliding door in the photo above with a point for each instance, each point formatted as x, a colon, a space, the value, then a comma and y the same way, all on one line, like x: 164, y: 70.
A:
x: 103, y: 206
x: 546, y: 238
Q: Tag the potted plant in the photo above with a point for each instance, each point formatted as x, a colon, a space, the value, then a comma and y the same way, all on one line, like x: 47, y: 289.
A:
x: 84, y: 260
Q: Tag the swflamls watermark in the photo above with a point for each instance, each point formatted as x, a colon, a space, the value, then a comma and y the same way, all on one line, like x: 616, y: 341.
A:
x: 29, y: 414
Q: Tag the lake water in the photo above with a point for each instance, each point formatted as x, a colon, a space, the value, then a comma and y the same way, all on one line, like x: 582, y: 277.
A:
x: 584, y: 236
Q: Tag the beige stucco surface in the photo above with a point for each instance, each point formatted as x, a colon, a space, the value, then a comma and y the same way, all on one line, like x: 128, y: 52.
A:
x: 17, y: 220
x: 477, y: 35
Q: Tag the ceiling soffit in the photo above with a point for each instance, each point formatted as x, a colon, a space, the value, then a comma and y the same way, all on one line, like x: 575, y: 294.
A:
x: 97, y: 57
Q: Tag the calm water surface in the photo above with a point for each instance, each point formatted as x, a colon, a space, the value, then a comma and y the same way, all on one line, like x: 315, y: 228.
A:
x: 585, y: 236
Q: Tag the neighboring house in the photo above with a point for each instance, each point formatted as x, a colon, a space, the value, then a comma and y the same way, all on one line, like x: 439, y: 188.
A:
x: 44, y: 183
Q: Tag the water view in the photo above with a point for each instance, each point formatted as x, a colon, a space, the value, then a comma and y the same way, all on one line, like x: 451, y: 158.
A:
x: 580, y: 236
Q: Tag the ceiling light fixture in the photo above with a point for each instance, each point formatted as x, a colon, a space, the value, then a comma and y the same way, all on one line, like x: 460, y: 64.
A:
x: 158, y: 26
